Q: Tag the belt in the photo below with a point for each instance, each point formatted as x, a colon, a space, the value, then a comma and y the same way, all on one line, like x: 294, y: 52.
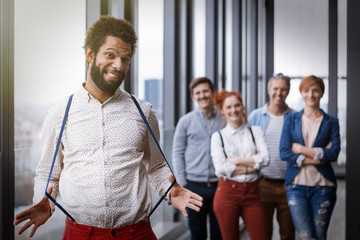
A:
x: 273, y: 180
x: 205, y: 184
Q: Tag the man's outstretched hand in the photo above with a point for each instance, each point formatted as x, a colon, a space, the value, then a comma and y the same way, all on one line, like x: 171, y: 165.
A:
x: 37, y: 214
x: 182, y: 198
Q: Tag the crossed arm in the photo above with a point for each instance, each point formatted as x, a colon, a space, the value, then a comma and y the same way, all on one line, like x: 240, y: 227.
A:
x: 308, y: 152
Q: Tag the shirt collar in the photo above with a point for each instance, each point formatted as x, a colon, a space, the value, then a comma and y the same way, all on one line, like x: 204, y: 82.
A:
x: 212, y: 115
x: 232, y: 130
x: 85, y: 93
x: 266, y: 111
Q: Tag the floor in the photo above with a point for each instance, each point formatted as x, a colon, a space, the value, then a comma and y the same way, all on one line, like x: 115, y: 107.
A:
x: 337, y: 225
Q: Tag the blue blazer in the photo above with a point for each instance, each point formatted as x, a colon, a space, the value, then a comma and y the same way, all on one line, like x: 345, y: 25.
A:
x: 292, y: 133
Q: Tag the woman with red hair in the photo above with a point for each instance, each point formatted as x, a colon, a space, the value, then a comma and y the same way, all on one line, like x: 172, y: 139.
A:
x: 238, y: 152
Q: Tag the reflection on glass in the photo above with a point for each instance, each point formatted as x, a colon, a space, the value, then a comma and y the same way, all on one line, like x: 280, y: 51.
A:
x: 49, y: 65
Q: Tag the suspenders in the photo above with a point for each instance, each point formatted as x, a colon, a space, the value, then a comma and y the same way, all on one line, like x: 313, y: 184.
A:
x: 222, y: 141
x: 57, y: 149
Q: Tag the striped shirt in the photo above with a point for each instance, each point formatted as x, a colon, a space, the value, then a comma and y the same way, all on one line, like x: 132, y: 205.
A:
x: 277, y: 168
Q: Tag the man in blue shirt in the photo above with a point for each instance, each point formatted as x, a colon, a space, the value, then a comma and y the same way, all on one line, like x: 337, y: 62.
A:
x: 271, y: 187
x: 191, y: 156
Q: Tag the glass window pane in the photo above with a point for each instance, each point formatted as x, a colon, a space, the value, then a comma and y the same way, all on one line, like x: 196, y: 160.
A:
x: 49, y: 65
x: 150, y: 72
x: 228, y: 44
x: 150, y: 52
x: 342, y: 80
x: 301, y: 43
x: 301, y: 37
x: 199, y: 38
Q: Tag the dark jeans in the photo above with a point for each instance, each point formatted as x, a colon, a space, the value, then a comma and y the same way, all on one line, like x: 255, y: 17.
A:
x: 197, y: 220
x: 311, y: 209
x: 273, y: 197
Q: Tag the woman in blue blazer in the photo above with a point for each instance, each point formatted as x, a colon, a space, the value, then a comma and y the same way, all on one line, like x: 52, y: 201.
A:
x: 310, y: 141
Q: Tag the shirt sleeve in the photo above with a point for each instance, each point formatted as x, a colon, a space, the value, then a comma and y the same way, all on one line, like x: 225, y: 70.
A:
x: 49, y: 138
x: 286, y: 141
x: 299, y: 160
x: 222, y: 167
x: 319, y: 153
x: 261, y: 159
x: 178, y: 154
x: 331, y: 154
x: 157, y: 169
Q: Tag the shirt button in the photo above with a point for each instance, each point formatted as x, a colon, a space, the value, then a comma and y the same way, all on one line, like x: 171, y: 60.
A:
x: 105, y: 163
x: 107, y: 205
x: 103, y: 143
x: 103, y: 124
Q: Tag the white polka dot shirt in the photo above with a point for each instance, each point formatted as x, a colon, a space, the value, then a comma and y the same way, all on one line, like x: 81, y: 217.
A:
x: 107, y: 160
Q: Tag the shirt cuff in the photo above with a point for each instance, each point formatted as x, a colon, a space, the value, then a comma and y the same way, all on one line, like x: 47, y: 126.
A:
x: 299, y: 160
x: 257, y: 159
x: 52, y: 208
x: 319, y: 153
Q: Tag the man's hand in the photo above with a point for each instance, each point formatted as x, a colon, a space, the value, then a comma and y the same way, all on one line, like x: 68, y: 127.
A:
x: 182, y: 198
x: 37, y: 214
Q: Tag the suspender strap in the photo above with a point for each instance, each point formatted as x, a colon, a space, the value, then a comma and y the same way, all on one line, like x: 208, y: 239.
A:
x: 253, y: 138
x: 58, y: 145
x: 162, y: 153
x: 222, y: 144
x: 53, y: 162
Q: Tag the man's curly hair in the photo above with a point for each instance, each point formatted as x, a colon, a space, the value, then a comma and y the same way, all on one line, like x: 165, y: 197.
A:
x: 110, y: 26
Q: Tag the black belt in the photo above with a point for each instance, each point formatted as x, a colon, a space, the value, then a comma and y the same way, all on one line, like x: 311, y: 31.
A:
x: 205, y: 184
x: 273, y: 180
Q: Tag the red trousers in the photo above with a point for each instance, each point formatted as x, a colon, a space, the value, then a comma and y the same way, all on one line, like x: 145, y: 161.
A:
x: 234, y: 200
x: 138, y: 231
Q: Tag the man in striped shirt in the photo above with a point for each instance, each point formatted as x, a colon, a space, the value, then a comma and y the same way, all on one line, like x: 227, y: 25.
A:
x: 270, y: 118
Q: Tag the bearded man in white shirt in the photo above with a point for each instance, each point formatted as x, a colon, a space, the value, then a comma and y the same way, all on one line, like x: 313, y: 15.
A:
x: 107, y: 158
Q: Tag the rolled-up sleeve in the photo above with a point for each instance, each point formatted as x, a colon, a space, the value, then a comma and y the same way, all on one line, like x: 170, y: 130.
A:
x: 261, y: 159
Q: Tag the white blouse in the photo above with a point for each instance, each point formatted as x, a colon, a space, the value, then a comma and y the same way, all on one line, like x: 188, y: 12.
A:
x: 238, y: 143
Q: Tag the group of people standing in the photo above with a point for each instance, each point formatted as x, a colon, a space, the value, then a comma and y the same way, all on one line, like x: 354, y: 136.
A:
x: 276, y: 159
x: 103, y: 158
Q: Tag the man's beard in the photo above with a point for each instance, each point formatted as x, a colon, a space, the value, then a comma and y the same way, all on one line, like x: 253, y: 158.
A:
x: 97, y: 77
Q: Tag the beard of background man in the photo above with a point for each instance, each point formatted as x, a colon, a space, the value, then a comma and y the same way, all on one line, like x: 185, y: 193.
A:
x: 97, y: 77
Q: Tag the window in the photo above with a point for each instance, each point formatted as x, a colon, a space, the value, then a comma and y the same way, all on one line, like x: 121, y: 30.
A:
x: 301, y: 44
x: 199, y: 38
x: 342, y: 79
x: 49, y: 66
x: 150, y: 72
